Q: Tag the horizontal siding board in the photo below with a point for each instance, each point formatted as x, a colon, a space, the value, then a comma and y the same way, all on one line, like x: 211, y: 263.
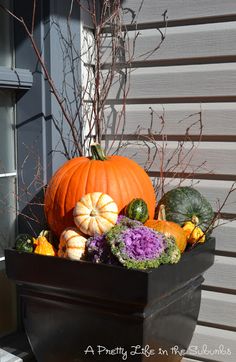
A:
x: 199, y: 81
x: 152, y: 10
x: 225, y: 236
x: 217, y: 118
x: 186, y: 42
x: 213, y: 344
x: 222, y: 274
x: 218, y: 308
x: 207, y: 154
x: 186, y: 359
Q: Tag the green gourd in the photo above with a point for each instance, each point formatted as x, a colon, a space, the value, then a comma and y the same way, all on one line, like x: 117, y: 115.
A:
x: 184, y: 204
x: 24, y: 242
x: 137, y: 209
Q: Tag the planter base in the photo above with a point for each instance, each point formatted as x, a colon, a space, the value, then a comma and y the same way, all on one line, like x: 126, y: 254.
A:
x: 64, y: 329
x: 78, y: 311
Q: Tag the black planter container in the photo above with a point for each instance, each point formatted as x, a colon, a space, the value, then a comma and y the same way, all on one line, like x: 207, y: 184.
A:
x: 79, y: 311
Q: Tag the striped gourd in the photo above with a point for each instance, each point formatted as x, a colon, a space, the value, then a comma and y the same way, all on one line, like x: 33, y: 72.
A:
x: 137, y: 210
x: 95, y: 213
x: 72, y: 244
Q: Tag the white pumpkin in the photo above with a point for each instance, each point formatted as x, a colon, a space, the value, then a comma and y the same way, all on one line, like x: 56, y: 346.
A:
x: 72, y: 244
x: 95, y: 213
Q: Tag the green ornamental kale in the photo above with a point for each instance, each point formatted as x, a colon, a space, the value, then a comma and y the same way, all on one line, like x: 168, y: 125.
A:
x: 171, y: 254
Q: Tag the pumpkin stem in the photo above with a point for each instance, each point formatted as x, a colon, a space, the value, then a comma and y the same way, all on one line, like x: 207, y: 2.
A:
x: 195, y: 220
x: 93, y: 213
x: 97, y: 152
x: 162, y: 213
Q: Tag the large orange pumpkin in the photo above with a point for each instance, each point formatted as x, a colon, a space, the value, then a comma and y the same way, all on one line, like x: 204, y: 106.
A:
x: 117, y: 176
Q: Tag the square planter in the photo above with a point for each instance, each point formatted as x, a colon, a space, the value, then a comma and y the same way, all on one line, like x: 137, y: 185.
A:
x: 80, y: 311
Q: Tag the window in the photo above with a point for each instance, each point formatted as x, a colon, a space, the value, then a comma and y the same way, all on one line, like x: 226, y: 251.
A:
x: 11, y: 81
x: 7, y: 171
x: 7, y: 137
x: 27, y: 132
x: 5, y: 37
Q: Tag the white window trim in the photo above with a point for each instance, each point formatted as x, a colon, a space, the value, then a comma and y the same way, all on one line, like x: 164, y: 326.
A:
x: 9, y: 174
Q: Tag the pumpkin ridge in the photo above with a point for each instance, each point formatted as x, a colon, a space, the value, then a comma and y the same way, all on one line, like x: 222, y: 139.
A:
x: 98, y: 226
x: 121, y: 182
x: 81, y: 223
x: 98, y: 200
x: 141, y: 175
x: 62, y: 171
x: 137, y: 173
x: 58, y: 177
x: 186, y: 191
x: 91, y: 200
x: 83, y: 203
x: 71, y: 237
x: 76, y: 215
x: 91, y: 222
x: 101, y: 183
x: 66, y: 187
x: 111, y: 222
x: 110, y: 212
x: 90, y: 170
x: 79, y: 169
x: 188, y: 196
x: 110, y: 169
x: 100, y: 208
x: 134, y: 177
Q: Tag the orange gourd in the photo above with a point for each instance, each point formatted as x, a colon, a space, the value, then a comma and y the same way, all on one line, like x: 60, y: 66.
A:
x: 168, y: 228
x: 117, y: 176
x: 43, y: 246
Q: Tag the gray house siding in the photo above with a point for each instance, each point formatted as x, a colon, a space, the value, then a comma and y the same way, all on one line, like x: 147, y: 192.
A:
x: 192, y: 74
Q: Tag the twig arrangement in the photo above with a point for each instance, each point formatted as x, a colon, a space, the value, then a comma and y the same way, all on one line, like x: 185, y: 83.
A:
x: 108, y: 54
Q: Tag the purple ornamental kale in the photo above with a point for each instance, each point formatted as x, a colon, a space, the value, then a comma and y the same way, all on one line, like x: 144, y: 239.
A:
x: 133, y: 245
x: 120, y: 218
x: 143, y: 244
x: 97, y: 248
x: 98, y: 251
x: 137, y: 247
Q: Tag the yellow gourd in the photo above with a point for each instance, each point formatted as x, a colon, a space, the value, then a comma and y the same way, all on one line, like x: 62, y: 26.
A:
x: 43, y: 247
x: 194, y: 233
